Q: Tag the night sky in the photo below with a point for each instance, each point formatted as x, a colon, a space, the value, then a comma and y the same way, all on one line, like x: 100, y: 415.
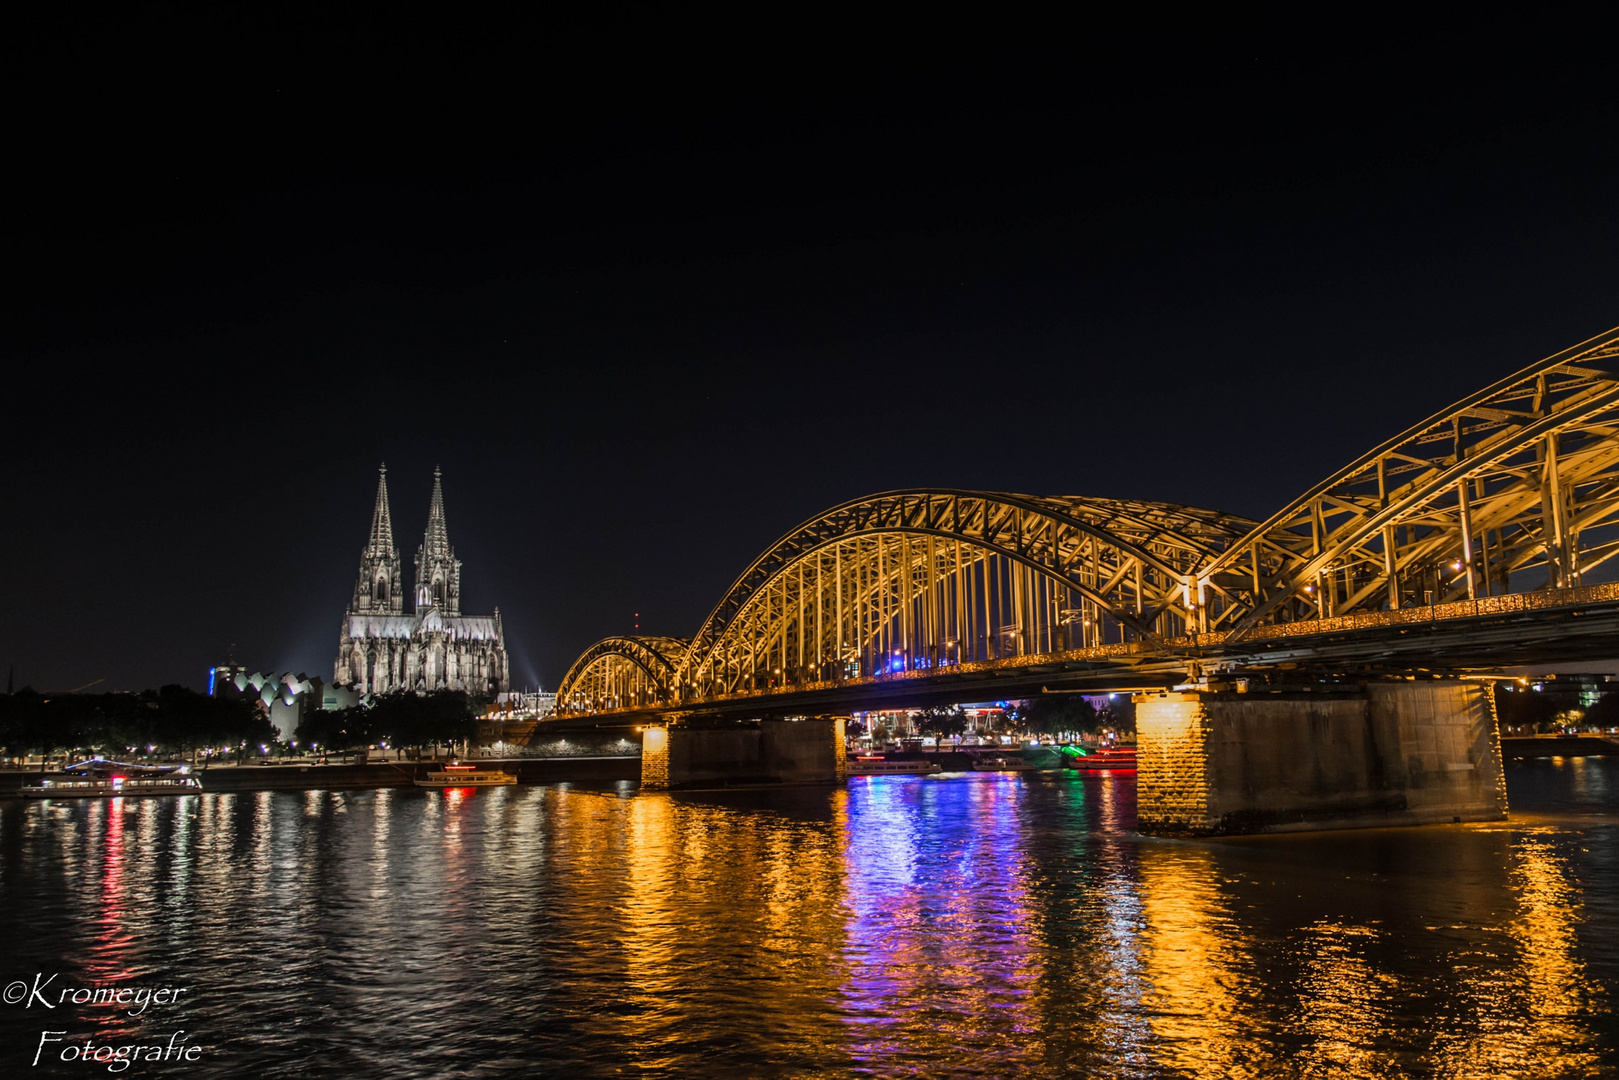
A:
x: 653, y: 292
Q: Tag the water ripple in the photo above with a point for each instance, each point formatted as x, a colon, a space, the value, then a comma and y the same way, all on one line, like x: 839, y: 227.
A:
x: 982, y: 925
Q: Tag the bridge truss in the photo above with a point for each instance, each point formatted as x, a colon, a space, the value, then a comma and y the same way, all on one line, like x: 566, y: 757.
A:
x: 1515, y: 488
x: 623, y: 672
x: 1511, y: 489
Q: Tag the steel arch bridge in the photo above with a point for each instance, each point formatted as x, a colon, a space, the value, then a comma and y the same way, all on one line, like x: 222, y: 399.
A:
x: 623, y: 672
x: 1505, y: 501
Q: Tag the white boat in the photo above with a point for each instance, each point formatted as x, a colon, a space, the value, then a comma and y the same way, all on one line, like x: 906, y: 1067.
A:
x: 99, y: 778
x: 879, y: 766
x: 457, y: 775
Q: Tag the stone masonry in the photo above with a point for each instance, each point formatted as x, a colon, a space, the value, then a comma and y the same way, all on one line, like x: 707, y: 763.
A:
x: 1394, y: 753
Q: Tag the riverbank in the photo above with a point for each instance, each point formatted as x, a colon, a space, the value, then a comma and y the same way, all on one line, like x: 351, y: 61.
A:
x: 609, y: 768
x: 228, y: 778
x: 1560, y: 746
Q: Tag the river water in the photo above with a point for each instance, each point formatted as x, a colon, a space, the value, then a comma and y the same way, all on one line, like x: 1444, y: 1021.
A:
x: 975, y: 925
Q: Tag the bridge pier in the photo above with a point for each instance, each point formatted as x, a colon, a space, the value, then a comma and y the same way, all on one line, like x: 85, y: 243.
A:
x: 754, y: 753
x: 1394, y: 753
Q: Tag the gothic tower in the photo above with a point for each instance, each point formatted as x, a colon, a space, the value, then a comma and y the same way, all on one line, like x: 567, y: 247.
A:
x: 379, y: 589
x: 381, y: 650
x: 438, y: 571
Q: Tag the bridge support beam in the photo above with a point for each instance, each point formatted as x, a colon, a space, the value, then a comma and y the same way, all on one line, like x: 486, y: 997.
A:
x: 764, y: 752
x: 1396, y: 753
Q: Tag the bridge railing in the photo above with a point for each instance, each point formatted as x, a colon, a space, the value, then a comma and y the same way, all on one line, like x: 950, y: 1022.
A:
x: 1511, y: 603
x: 1508, y: 604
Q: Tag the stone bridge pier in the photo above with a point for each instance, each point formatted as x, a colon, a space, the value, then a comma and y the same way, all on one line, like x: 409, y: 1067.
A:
x: 752, y: 753
x: 1392, y: 753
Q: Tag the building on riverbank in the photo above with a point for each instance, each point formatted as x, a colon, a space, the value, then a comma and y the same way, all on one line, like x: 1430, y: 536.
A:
x: 435, y: 647
x: 286, y: 698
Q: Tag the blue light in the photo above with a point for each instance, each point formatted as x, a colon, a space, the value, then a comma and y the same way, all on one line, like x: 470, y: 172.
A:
x: 211, y: 681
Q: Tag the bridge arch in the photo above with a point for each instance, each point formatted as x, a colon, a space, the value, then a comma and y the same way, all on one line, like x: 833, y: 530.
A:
x: 1513, y: 487
x: 934, y: 577
x: 622, y: 672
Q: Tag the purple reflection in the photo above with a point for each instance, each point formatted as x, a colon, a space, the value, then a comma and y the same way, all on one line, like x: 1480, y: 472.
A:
x: 937, y: 917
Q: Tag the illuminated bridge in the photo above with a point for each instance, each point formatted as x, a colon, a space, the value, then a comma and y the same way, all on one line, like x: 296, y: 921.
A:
x: 1476, y: 539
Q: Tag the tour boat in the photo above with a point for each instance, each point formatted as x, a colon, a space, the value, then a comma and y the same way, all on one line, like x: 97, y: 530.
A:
x: 99, y: 778
x: 1005, y: 764
x: 1114, y: 759
x: 458, y: 775
x: 881, y: 766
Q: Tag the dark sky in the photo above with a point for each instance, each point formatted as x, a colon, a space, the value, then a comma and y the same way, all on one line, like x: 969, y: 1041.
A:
x: 653, y: 292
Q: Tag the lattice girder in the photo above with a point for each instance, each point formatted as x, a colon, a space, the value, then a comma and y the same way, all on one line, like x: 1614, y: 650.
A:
x: 1521, y: 477
x: 1514, y: 489
x: 897, y: 569
x: 624, y: 671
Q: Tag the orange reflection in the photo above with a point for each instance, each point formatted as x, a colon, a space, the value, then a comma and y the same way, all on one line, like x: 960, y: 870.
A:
x: 696, y: 893
x: 1191, y: 964
x: 651, y: 924
x: 457, y: 876
x: 1548, y: 905
x: 1531, y: 1026
x: 1341, y: 999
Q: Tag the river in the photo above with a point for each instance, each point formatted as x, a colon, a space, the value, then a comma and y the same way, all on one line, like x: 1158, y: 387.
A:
x: 989, y: 925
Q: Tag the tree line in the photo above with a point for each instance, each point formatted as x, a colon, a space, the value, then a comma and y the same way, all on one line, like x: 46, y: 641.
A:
x: 174, y: 721
x: 403, y: 719
x: 1067, y: 715
x: 1552, y: 708
x: 170, y: 721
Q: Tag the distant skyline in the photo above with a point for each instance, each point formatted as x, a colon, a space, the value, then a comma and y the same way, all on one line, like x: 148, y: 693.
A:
x: 651, y: 307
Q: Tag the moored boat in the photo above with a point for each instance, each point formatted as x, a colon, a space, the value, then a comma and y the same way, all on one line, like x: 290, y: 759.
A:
x: 1118, y: 758
x: 1001, y: 763
x: 881, y: 766
x: 99, y: 778
x: 459, y: 775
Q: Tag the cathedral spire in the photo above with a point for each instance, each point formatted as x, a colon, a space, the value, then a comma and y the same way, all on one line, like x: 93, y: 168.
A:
x: 377, y: 590
x: 437, y: 542
x: 382, y: 526
x: 438, y: 571
x: 382, y: 649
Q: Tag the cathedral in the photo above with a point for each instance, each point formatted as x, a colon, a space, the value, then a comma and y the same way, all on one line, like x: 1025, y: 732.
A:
x: 434, y: 647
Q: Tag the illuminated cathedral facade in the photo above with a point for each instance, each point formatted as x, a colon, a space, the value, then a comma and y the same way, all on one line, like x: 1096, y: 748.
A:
x: 434, y: 646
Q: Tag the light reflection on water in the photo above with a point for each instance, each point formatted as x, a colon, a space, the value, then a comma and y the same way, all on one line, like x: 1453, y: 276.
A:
x: 980, y: 925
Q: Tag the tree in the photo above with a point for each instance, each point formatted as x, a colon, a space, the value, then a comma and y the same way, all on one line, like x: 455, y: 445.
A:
x: 187, y: 721
x: 942, y: 721
x: 174, y: 719
x: 22, y: 724
x: 419, y: 720
x: 336, y: 729
x: 1604, y: 711
x: 1119, y: 714
x: 1057, y: 714
x: 1523, y: 707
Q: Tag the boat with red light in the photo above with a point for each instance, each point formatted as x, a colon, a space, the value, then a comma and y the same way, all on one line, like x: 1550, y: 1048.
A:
x: 457, y: 774
x: 1108, y: 759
